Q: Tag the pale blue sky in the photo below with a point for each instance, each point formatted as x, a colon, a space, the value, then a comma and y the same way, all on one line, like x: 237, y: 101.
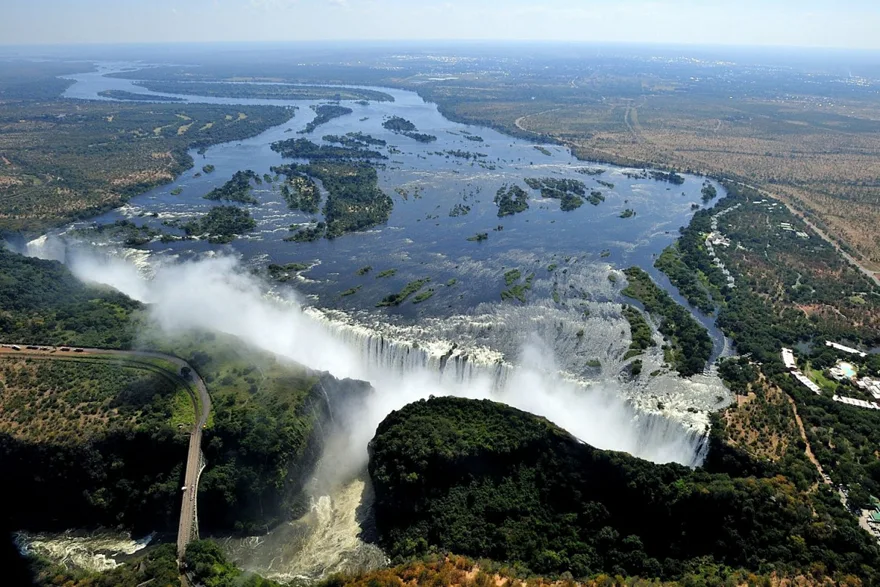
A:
x: 828, y: 23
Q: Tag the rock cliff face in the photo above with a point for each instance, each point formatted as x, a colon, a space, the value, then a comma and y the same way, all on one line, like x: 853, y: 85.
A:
x: 486, y: 480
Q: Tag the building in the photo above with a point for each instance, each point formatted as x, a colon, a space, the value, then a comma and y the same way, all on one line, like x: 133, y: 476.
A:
x: 845, y: 349
x: 807, y: 382
x: 858, y: 403
x: 872, y: 386
x: 788, y: 359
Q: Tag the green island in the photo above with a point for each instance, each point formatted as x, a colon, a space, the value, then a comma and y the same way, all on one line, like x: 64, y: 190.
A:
x: 364, y: 270
x: 284, y: 273
x: 479, y: 237
x: 689, y: 345
x: 354, y: 201
x: 628, y: 213
x: 126, y: 96
x: 238, y: 189
x: 477, y: 477
x: 386, y: 273
x: 208, y: 168
x: 693, y: 285
x: 459, y: 154
x: 406, y: 128
x: 668, y: 176
x: 543, y: 150
x: 423, y: 296
x: 459, y: 210
x: 516, y: 289
x: 591, y: 171
x: 221, y: 224
x: 176, y: 191
x: 511, y: 200
x: 354, y: 140
x: 606, y: 184
x: 324, y: 113
x: 595, y: 197
x: 351, y: 291
x: 306, y: 234
x: 262, y: 91
x: 568, y: 191
x: 708, y: 192
x: 301, y: 193
x: 640, y: 331
x: 400, y: 297
x: 306, y: 149
x: 130, y: 233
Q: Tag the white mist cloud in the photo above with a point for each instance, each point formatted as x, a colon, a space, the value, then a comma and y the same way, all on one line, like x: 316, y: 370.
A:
x: 217, y: 294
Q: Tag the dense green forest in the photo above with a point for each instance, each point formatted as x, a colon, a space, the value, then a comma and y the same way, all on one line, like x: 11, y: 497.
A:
x: 511, y: 200
x: 237, y: 189
x: 689, y: 346
x: 640, y: 331
x: 42, y: 303
x: 355, y: 140
x: 481, y: 478
x: 221, y: 224
x: 354, y: 200
x: 301, y: 193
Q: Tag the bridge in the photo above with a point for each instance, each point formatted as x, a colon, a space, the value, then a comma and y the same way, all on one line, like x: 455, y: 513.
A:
x: 188, y: 528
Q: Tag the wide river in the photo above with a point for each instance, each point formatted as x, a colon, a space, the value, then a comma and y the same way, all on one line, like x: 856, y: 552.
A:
x: 423, y: 238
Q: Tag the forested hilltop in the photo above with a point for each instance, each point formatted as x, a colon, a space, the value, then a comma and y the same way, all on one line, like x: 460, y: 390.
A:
x: 484, y: 479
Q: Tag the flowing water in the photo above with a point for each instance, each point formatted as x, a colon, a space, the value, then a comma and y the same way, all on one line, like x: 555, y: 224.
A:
x: 559, y: 355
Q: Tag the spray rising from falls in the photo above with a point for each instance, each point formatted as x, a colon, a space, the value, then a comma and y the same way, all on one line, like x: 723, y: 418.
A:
x: 217, y: 294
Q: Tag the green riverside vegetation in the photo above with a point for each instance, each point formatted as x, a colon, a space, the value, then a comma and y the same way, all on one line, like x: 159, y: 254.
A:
x: 689, y: 344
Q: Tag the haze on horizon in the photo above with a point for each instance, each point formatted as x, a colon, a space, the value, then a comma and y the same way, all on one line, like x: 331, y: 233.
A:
x: 848, y: 24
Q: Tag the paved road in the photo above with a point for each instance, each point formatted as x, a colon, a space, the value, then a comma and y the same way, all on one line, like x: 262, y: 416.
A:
x: 187, y: 528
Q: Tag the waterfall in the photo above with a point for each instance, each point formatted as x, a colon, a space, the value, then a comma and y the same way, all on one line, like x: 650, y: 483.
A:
x: 406, y: 364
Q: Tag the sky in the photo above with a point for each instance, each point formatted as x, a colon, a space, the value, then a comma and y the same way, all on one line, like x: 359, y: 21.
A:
x: 851, y: 24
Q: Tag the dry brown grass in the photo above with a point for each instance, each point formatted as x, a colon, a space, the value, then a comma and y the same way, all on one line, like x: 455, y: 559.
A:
x: 761, y: 423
